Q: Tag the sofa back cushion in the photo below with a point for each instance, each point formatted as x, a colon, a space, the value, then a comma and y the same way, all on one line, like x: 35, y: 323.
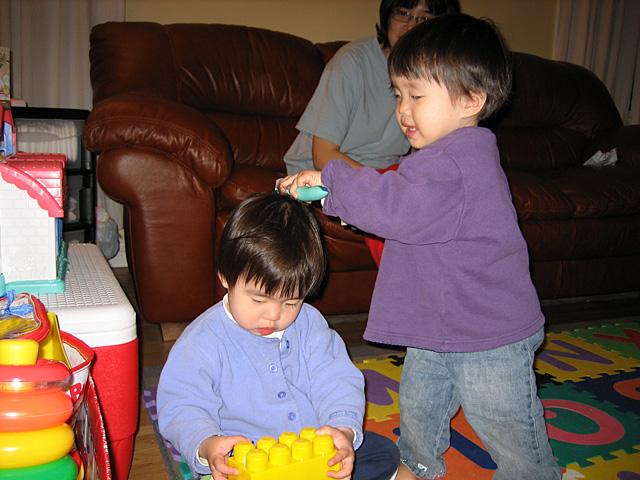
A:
x: 555, y: 108
x: 235, y: 69
x: 131, y: 58
x: 254, y: 83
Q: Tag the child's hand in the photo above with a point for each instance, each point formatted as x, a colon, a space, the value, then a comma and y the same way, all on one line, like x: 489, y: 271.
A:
x: 305, y: 178
x: 343, y: 442
x: 216, y: 450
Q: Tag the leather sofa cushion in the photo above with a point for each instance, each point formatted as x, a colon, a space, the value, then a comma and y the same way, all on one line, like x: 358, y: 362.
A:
x: 558, y: 97
x: 597, y: 192
x: 582, y: 238
x: 260, y: 140
x: 536, y: 198
x: 540, y: 148
x: 583, y: 192
x: 232, y: 68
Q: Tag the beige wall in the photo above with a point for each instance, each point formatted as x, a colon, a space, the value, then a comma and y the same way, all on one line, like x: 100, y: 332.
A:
x: 528, y: 25
x: 316, y: 20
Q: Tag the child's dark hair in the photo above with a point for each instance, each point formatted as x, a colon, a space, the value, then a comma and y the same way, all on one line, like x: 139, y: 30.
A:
x: 436, y: 7
x: 463, y: 53
x: 274, y: 241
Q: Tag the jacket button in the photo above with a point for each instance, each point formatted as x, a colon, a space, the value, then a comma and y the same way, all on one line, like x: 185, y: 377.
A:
x: 282, y: 394
x: 292, y: 416
x: 273, y: 367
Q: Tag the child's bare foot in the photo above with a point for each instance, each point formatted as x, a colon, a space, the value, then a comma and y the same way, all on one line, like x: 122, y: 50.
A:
x: 404, y: 473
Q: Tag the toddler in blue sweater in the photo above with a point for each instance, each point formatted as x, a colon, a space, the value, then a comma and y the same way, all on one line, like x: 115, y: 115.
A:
x: 261, y: 361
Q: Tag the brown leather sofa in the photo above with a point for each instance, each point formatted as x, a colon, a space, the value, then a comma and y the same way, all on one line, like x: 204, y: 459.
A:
x: 190, y: 119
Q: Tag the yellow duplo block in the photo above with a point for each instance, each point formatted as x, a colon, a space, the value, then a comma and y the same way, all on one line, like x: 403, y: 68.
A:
x: 280, y: 455
x: 287, y: 438
x: 243, y: 448
x: 308, y: 433
x: 265, y: 443
x: 302, y: 449
x: 257, y: 460
x: 294, y: 457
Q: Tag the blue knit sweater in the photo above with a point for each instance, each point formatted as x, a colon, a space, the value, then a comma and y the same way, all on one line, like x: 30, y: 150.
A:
x: 220, y: 379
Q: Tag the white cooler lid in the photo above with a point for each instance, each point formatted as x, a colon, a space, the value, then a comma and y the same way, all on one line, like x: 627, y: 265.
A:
x: 93, y: 307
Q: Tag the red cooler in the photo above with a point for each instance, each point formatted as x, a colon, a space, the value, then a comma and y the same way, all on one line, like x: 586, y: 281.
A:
x: 94, y: 308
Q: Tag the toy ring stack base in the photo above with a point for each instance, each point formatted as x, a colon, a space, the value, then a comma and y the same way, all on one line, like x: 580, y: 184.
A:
x: 64, y: 468
x: 34, y: 409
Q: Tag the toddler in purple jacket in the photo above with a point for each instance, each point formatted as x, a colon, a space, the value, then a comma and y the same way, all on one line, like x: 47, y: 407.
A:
x: 454, y: 285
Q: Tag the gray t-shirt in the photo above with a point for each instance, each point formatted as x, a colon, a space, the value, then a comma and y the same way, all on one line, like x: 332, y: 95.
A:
x: 354, y: 107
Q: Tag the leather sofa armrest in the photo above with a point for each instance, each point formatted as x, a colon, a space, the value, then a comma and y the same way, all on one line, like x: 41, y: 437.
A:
x: 157, y: 125
x: 162, y: 161
x: 625, y: 139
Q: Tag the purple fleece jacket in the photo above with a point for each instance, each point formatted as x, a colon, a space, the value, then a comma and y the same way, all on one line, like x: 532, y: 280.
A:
x: 454, y: 274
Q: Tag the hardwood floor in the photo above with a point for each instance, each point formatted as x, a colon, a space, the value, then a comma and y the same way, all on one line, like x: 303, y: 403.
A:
x: 147, y: 462
x: 561, y: 315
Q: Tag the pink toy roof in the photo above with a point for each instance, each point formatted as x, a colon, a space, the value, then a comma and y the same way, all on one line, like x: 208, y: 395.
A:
x: 11, y: 172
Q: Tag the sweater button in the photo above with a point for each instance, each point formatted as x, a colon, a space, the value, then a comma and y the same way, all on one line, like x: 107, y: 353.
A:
x: 282, y: 394
x: 273, y: 367
x: 292, y: 416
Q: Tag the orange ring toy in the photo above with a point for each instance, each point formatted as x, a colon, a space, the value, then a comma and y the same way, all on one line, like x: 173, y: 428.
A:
x: 34, y: 409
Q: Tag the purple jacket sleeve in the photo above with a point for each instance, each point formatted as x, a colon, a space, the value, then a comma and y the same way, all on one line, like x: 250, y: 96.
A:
x: 426, y: 190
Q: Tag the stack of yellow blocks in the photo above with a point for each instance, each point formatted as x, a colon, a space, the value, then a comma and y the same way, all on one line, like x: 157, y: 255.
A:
x: 291, y: 457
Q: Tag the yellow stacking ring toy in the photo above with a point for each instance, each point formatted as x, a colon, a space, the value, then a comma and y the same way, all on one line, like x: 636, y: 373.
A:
x: 64, y: 468
x: 33, y: 431
x: 27, y: 449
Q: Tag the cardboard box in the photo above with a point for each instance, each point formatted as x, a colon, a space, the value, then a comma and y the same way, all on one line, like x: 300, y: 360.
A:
x: 5, y: 74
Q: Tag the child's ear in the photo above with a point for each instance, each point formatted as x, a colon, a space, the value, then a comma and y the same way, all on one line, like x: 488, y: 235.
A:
x: 223, y: 281
x: 474, y: 103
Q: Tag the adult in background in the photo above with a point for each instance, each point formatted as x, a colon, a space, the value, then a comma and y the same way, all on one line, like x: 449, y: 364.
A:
x: 351, y: 114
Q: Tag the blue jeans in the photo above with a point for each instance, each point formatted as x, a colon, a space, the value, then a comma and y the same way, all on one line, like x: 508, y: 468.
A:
x: 497, y: 391
x: 376, y: 459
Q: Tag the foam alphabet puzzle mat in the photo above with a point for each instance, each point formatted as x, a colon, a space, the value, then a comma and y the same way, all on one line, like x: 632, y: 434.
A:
x: 589, y: 385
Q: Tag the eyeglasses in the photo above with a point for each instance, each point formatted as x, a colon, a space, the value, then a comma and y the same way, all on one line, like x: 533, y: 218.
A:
x: 403, y: 16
